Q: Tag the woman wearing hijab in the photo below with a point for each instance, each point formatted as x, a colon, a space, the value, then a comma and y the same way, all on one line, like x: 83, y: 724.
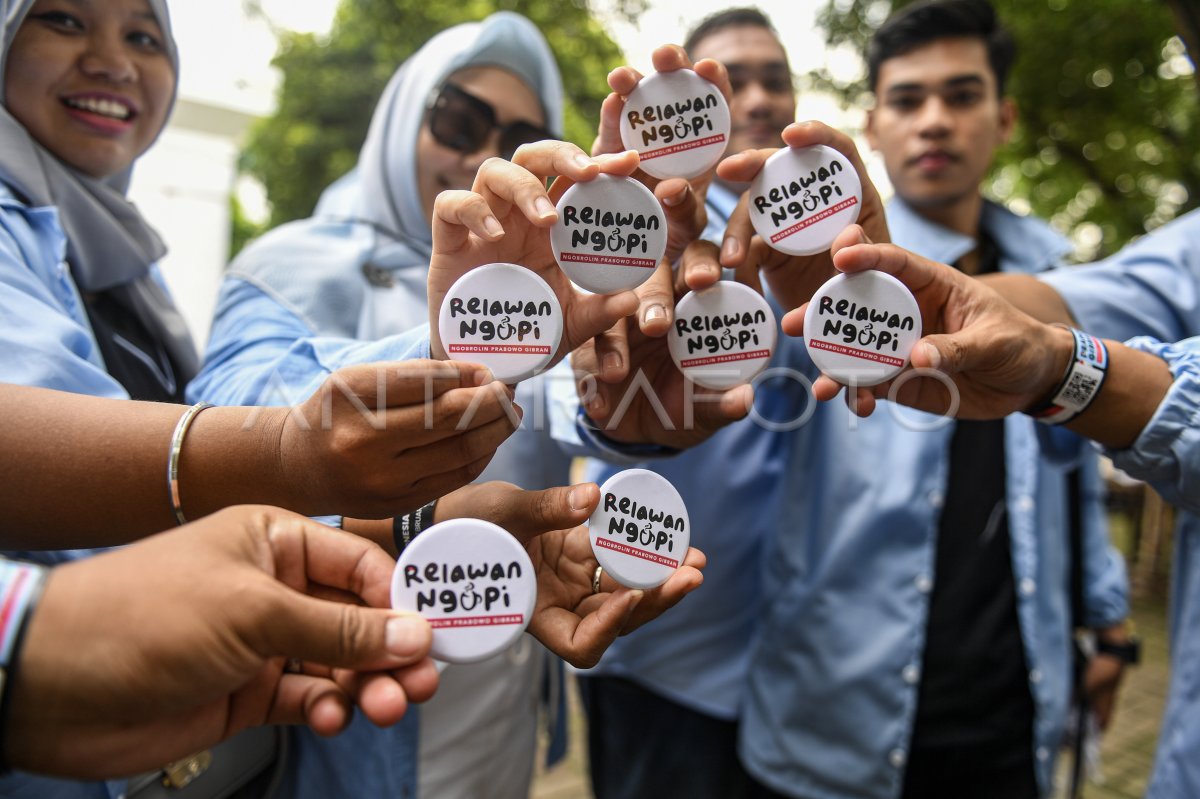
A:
x: 87, y: 88
x: 354, y: 274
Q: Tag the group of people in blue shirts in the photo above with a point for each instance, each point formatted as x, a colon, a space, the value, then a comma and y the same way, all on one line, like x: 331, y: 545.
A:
x: 889, y: 599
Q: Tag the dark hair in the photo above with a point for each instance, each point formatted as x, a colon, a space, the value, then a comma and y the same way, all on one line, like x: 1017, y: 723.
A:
x: 730, y: 18
x: 925, y: 22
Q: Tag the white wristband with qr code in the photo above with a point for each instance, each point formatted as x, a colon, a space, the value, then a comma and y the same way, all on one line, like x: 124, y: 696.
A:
x: 1080, y: 385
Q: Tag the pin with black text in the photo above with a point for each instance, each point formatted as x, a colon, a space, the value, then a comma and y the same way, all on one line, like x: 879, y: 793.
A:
x: 678, y: 122
x: 473, y: 583
x: 503, y: 316
x: 610, y: 234
x: 640, y: 532
x: 803, y: 198
x: 860, y: 328
x: 723, y: 335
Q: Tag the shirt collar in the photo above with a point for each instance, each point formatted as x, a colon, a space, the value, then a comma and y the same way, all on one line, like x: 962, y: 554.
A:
x: 1026, y: 244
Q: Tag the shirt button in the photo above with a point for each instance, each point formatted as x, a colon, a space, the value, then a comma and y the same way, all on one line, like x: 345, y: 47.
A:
x: 1027, y: 587
x: 1043, y: 754
x: 897, y: 758
x: 936, y: 499
x: 1025, y: 503
x: 911, y: 674
x: 924, y: 584
x: 1035, y: 676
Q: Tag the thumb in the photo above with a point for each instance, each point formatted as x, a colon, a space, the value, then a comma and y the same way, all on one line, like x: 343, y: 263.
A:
x: 952, y: 353
x: 531, y: 513
x: 593, y: 314
x: 340, y: 635
x: 850, y: 235
x: 718, y: 410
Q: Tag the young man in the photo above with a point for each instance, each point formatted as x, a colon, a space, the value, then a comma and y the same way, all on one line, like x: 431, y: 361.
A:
x: 663, y: 708
x: 917, y: 641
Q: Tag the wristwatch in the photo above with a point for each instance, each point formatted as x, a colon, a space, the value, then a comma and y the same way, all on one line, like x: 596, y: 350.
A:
x: 1129, y: 653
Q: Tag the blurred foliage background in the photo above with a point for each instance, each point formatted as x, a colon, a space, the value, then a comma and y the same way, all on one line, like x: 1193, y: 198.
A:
x: 1108, y: 144
x: 330, y: 86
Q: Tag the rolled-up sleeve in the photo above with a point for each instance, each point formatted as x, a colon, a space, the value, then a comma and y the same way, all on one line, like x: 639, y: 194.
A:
x: 260, y: 353
x: 1167, y: 453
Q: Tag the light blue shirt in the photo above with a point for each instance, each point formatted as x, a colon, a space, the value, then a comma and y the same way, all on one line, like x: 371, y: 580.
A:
x: 46, y: 340
x: 1152, y: 288
x: 833, y: 683
x: 698, y: 654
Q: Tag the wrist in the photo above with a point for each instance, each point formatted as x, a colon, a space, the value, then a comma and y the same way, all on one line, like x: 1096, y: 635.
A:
x: 1081, y: 383
x: 22, y: 585
x: 1059, y: 348
x: 298, y: 471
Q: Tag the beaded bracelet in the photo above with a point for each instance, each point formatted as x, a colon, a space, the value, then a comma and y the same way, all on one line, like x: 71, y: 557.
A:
x: 181, y: 429
x: 1080, y: 384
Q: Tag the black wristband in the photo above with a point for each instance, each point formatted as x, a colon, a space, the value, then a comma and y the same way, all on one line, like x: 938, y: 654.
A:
x: 1129, y: 653
x: 407, y: 527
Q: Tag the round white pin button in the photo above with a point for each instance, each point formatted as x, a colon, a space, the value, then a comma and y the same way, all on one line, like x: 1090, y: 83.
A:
x: 723, y: 336
x: 678, y: 122
x: 610, y: 234
x: 473, y: 583
x: 503, y: 316
x: 640, y: 532
x: 861, y: 328
x: 802, y: 198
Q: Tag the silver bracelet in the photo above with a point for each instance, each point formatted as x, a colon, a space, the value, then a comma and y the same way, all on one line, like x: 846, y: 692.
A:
x: 181, y: 429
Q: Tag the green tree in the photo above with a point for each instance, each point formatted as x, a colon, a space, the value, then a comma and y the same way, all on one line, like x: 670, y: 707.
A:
x: 1106, y: 147
x: 330, y: 85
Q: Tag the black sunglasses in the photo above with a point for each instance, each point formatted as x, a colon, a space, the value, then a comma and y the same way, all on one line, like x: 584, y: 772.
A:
x: 463, y: 122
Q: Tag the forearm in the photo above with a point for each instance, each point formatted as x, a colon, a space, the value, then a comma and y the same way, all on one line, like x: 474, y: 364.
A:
x: 1133, y: 389
x: 1030, y: 295
x: 83, y: 472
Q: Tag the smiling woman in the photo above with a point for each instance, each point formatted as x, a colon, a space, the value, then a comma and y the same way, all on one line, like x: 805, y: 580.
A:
x: 92, y: 83
x: 87, y: 89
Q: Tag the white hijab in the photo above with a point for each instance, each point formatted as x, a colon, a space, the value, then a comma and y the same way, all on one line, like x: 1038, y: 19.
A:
x: 369, y: 235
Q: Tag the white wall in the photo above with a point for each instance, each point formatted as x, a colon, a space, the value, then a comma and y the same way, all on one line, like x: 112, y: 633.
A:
x: 182, y: 186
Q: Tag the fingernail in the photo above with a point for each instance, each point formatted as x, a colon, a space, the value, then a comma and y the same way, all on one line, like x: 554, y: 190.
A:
x: 654, y: 312
x: 612, y: 361
x: 713, y: 270
x: 577, y: 498
x: 492, y: 225
x: 729, y: 249
x: 406, y: 635
x: 675, y: 199
x: 935, y: 357
x: 544, y: 207
x: 483, y: 377
x: 595, y: 405
x: 582, y: 161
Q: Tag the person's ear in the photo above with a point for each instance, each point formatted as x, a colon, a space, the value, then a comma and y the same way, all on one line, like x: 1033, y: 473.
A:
x: 869, y: 129
x: 1008, y: 119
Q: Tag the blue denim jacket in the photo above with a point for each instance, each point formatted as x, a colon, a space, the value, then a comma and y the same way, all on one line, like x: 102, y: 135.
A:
x: 833, y: 682
x: 1152, y: 288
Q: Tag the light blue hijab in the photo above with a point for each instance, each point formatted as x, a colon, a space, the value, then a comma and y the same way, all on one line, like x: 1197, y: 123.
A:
x: 357, y: 267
